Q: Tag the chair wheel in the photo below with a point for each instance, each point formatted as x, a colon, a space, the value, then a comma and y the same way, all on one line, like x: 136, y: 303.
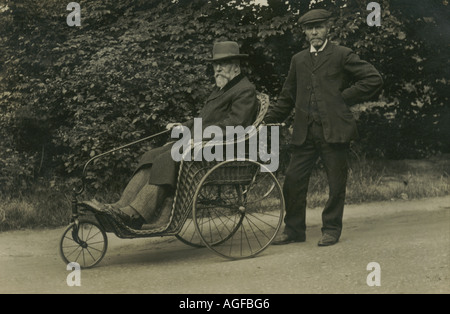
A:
x: 239, y: 217
x: 83, y: 242
x: 188, y: 235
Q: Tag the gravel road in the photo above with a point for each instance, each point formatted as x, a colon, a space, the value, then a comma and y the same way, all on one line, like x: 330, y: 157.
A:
x: 410, y: 241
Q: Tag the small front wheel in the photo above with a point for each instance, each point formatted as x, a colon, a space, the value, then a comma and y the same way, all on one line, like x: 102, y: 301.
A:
x: 83, y: 242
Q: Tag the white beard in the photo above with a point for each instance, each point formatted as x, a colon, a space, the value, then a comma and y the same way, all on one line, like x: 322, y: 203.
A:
x: 221, y: 81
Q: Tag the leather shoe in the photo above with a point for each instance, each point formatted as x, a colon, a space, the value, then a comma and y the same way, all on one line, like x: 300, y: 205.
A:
x: 134, y: 222
x: 327, y: 239
x: 286, y: 239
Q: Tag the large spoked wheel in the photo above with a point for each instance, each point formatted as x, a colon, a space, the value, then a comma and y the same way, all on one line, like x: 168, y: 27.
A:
x: 83, y: 242
x: 238, y: 209
x: 188, y: 235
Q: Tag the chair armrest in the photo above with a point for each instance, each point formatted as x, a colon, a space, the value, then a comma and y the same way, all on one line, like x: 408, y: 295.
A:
x: 83, y: 176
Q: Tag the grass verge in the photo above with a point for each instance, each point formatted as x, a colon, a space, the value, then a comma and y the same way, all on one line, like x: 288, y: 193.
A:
x: 387, y: 180
x: 368, y: 181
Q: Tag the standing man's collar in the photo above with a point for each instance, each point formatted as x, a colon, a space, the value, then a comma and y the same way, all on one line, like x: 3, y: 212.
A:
x: 313, y: 49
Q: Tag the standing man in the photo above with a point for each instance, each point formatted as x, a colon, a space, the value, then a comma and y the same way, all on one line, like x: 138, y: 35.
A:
x: 317, y: 87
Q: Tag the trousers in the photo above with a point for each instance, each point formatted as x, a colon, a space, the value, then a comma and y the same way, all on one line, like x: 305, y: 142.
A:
x: 295, y: 188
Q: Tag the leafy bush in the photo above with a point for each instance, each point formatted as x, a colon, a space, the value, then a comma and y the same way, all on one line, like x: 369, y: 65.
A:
x: 68, y: 93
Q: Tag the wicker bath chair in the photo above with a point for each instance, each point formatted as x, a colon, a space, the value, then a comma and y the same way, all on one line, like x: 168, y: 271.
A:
x: 233, y: 207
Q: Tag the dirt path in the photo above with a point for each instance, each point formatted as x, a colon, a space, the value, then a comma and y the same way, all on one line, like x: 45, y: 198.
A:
x: 410, y: 240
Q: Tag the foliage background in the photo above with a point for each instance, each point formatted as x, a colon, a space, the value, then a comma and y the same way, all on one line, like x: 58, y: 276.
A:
x: 68, y: 93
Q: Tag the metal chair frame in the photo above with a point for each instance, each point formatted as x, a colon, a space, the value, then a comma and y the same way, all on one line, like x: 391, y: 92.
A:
x: 190, y: 174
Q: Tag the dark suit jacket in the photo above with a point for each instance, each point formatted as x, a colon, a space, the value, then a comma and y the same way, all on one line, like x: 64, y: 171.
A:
x: 339, y: 79
x: 235, y: 104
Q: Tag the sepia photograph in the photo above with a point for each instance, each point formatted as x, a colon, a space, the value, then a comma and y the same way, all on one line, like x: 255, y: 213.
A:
x: 224, y: 154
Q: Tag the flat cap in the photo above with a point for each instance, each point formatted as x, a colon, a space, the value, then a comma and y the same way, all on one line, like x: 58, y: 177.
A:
x: 314, y: 16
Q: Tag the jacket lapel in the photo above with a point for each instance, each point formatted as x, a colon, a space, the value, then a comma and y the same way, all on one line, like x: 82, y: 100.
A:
x: 219, y: 92
x: 215, y: 93
x: 308, y: 62
x: 323, y: 56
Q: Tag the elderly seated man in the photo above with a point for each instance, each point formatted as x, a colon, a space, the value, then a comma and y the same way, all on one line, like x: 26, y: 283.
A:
x: 232, y: 102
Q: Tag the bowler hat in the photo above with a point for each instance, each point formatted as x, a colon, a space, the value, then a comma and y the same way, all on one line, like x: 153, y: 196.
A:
x: 314, y: 16
x: 226, y: 50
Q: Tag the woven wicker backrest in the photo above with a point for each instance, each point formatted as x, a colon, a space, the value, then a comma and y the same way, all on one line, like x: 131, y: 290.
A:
x: 264, y: 103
